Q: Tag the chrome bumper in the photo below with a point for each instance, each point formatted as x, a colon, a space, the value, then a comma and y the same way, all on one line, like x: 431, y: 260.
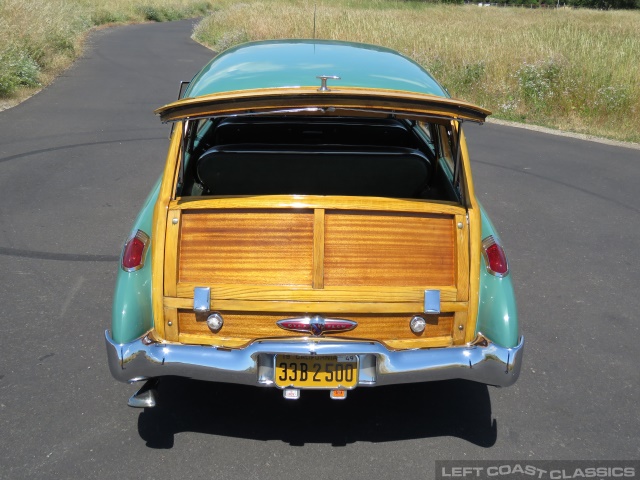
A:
x: 481, y: 361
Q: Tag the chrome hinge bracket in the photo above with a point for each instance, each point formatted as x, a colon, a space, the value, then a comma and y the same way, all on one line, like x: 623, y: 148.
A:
x: 432, y: 301
x: 202, y: 299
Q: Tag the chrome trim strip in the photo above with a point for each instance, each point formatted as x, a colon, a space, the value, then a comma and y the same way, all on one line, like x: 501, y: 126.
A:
x: 317, y: 325
x: 481, y: 361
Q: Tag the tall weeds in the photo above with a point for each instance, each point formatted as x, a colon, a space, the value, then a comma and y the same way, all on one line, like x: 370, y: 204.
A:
x: 572, y: 69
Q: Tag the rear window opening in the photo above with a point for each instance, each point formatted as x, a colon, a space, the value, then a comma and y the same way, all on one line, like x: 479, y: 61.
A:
x: 347, y: 156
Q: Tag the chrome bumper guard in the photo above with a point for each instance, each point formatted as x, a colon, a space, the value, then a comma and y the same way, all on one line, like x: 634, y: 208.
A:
x: 480, y: 361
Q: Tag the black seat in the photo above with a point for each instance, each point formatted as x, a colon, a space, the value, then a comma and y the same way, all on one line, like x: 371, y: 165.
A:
x: 314, y: 131
x: 259, y: 169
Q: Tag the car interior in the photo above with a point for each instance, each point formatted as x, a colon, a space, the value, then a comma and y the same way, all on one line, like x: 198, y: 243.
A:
x: 351, y: 156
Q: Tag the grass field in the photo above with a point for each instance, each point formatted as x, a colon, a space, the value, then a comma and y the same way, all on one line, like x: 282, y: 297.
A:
x: 39, y: 38
x: 577, y: 70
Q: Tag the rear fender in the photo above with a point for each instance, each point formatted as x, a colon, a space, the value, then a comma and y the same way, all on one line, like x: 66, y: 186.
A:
x: 132, y: 311
x: 497, y: 310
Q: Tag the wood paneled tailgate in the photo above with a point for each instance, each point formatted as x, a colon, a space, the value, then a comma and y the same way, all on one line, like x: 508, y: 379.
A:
x: 267, y: 264
x: 246, y: 247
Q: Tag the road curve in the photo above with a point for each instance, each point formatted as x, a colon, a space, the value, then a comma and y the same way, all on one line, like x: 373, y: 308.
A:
x: 76, y: 162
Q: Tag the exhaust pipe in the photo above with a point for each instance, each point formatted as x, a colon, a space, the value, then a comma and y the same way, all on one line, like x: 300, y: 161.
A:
x: 146, y: 397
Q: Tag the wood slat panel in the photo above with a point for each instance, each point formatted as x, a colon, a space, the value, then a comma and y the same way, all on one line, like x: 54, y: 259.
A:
x: 328, y: 294
x: 462, y: 257
x: 461, y: 320
x: 475, y: 243
x: 391, y: 249
x: 171, y: 253
x: 430, y: 342
x: 171, y: 332
x: 204, y: 339
x: 334, y: 202
x: 247, y: 247
x: 304, y: 307
x: 318, y: 248
x: 242, y: 327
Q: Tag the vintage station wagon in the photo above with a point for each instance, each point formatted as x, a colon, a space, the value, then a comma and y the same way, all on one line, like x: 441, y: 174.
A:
x: 315, y: 227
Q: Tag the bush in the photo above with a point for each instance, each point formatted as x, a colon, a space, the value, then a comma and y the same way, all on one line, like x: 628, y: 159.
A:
x: 103, y: 16
x: 539, y: 82
x: 17, y: 69
x: 155, y: 14
x: 39, y: 38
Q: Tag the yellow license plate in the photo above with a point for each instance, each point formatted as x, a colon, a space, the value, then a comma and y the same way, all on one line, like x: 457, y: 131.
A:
x: 301, y: 371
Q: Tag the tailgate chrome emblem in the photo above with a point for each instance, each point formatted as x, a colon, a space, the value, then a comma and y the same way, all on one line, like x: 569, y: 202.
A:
x: 317, y: 325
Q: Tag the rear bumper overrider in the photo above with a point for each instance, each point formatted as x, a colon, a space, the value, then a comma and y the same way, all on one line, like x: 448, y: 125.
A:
x: 480, y: 361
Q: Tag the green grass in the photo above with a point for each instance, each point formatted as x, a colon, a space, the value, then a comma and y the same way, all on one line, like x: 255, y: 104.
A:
x: 577, y: 70
x: 39, y: 38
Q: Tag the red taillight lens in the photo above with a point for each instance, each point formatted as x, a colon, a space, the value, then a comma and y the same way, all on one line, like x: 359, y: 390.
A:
x: 133, y: 251
x: 494, y: 257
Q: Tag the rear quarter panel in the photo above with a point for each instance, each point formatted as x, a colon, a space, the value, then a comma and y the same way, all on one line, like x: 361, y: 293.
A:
x: 132, y: 313
x: 497, y: 310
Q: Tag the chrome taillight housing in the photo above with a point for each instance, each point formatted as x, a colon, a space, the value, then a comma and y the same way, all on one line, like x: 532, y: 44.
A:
x: 494, y: 257
x: 133, y: 252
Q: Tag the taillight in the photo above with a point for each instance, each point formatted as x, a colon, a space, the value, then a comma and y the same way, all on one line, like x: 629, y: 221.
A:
x: 133, y: 252
x: 494, y: 257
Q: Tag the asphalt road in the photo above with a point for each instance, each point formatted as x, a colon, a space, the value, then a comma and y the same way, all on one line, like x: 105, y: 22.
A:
x: 76, y: 162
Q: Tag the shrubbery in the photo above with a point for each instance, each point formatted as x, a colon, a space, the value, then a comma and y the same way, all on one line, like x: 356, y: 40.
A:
x: 40, y: 37
x: 18, y: 70
x: 575, y: 69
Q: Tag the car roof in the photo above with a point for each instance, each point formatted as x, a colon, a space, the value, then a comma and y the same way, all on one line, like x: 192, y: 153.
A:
x: 281, y: 76
x: 297, y: 63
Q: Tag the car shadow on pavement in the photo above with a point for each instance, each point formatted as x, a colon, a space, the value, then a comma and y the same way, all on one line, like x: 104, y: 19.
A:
x: 452, y: 408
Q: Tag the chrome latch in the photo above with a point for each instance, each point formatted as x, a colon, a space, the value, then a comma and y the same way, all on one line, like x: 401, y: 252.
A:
x: 432, y: 301
x: 323, y: 80
x: 202, y: 299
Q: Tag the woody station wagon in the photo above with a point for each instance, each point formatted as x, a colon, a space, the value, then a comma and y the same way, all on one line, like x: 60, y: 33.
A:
x: 315, y: 227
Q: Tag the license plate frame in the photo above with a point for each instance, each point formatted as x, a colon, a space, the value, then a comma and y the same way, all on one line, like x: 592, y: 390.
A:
x: 323, y: 372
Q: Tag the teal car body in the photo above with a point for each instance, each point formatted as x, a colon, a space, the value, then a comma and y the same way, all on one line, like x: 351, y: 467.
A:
x: 284, y: 63
x: 497, y: 308
x: 257, y: 88
x: 131, y: 311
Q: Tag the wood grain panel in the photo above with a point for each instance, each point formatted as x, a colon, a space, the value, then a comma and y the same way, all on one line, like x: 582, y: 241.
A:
x: 265, y: 100
x: 389, y: 249
x: 430, y: 342
x: 304, y: 307
x: 475, y: 245
x: 171, y: 330
x: 462, y: 257
x: 171, y: 252
x: 327, y: 294
x: 247, y: 247
x: 240, y: 328
x: 318, y: 249
x: 461, y: 319
x: 159, y: 231
x: 334, y: 202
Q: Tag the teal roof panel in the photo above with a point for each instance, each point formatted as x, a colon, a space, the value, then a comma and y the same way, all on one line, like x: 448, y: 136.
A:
x: 297, y: 63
